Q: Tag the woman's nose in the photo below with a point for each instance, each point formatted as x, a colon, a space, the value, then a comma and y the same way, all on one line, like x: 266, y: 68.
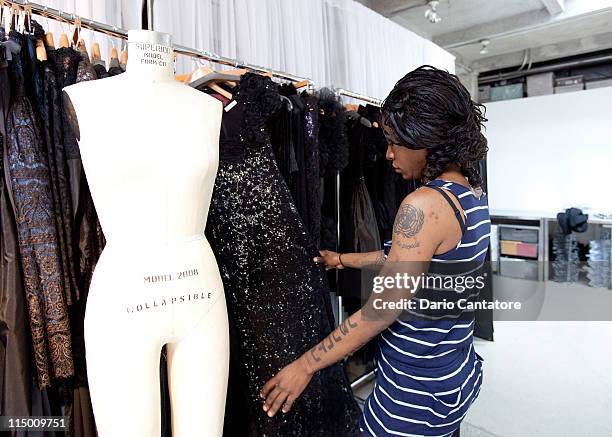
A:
x: 389, y: 154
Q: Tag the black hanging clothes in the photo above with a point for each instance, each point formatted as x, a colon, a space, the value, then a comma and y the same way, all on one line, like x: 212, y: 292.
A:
x: 278, y: 299
x: 358, y: 225
x: 29, y: 178
x: 333, y: 158
x: 295, y: 141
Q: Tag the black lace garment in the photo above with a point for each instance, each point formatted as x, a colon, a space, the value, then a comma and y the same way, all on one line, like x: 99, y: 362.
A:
x: 29, y: 177
x: 278, y: 299
x: 333, y: 158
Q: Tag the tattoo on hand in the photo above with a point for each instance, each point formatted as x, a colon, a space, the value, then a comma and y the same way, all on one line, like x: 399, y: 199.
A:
x: 408, y: 223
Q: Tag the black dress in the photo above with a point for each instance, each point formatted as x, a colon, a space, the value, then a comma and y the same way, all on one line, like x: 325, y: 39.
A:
x: 278, y: 299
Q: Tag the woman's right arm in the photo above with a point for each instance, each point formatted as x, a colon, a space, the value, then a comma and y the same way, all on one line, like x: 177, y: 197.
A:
x: 334, y: 260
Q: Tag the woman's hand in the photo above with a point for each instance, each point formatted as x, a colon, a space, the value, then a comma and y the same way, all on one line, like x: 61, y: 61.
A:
x: 330, y: 259
x: 284, y: 388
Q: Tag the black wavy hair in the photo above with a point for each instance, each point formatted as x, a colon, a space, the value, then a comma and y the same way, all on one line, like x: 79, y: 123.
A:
x: 430, y: 109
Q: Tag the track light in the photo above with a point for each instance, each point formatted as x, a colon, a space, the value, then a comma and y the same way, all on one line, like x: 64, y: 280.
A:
x: 431, y: 14
x: 484, y: 49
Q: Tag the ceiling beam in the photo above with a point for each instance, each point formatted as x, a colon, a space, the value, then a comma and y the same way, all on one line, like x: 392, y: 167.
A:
x: 493, y: 29
x: 554, y: 6
x: 545, y: 53
x: 520, y: 24
x: 390, y: 8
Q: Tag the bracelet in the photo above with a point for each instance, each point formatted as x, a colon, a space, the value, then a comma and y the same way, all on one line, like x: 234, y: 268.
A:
x: 340, y: 259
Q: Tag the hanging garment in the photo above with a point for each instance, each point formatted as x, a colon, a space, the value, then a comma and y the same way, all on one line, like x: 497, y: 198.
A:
x: 366, y: 237
x: 278, y: 299
x: 56, y: 159
x: 311, y: 168
x: 15, y: 359
x: 333, y: 158
x: 358, y: 223
x: 100, y: 69
x: 387, y: 189
x: 294, y: 132
x: 86, y: 239
x: 37, y: 237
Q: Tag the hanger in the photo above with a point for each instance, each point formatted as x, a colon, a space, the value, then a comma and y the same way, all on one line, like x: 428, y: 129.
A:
x: 114, y: 53
x: 27, y: 19
x: 301, y: 84
x: 49, y: 39
x: 124, y: 55
x: 203, y: 79
x: 95, y: 52
x: 354, y: 115
x: 76, y: 32
x: 210, y: 76
x: 288, y: 101
x: 14, y: 14
x: 82, y: 46
x: 41, y: 51
x: 64, y: 43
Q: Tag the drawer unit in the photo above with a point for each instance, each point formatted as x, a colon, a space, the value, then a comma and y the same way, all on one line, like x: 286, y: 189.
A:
x: 518, y: 248
x: 519, y: 268
x: 526, y: 235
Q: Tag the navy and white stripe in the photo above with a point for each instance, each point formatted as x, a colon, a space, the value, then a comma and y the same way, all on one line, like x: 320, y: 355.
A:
x: 428, y: 372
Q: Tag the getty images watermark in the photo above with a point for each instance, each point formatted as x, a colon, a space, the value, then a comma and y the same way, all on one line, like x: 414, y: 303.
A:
x: 448, y: 290
x: 463, y: 289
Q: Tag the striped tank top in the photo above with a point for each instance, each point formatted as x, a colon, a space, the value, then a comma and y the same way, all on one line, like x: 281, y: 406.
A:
x: 428, y: 373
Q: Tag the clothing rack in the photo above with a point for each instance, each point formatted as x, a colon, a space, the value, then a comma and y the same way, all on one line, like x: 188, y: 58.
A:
x: 96, y: 26
x: 114, y: 31
x: 71, y: 18
x: 364, y: 98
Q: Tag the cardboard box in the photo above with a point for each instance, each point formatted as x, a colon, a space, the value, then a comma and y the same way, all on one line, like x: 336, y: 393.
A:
x: 507, y: 92
x: 569, y: 88
x: 598, y: 84
x: 484, y: 93
x: 540, y: 84
x: 570, y: 80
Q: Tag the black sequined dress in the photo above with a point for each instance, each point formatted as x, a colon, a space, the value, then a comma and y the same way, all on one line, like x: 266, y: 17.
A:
x: 278, y: 299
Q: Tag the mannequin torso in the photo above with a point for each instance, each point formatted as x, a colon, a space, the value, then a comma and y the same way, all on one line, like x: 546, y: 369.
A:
x: 149, y: 147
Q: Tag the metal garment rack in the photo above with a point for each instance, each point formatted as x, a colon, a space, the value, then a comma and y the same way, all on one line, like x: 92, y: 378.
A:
x: 364, y: 98
x: 96, y: 26
x: 71, y: 18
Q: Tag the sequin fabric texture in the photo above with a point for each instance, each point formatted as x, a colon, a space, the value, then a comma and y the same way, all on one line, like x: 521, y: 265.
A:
x: 278, y: 299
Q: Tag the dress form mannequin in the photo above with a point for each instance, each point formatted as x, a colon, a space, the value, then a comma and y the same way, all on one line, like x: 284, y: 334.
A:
x: 157, y: 281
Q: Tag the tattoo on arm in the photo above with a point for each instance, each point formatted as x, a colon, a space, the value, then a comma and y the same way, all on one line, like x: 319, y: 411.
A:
x: 380, y: 257
x: 334, y: 338
x: 408, y: 223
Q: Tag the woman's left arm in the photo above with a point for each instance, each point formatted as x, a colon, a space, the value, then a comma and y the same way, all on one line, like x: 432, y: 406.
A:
x: 416, y: 236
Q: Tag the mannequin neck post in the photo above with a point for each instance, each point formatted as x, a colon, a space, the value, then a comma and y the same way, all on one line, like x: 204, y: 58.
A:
x: 151, y: 57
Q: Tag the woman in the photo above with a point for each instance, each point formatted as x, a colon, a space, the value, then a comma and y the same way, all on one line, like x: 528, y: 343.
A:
x: 428, y: 372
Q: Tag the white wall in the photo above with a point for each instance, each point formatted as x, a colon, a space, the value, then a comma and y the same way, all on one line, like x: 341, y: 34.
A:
x: 548, y: 153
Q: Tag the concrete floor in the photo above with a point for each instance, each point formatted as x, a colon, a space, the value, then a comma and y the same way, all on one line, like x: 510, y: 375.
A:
x: 543, y: 378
